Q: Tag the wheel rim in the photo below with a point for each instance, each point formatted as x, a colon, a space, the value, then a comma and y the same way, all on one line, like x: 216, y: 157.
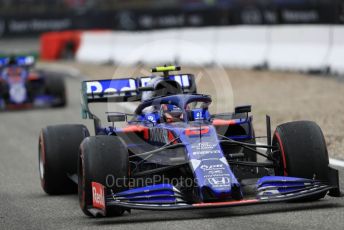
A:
x: 41, y: 164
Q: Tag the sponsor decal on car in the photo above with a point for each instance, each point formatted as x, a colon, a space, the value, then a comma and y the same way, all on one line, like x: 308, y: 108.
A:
x: 98, y: 196
x: 206, y: 152
x: 158, y: 135
x: 126, y: 86
x: 103, y: 88
x: 215, y: 172
x: 219, y: 181
x: 203, y: 145
x: 212, y: 167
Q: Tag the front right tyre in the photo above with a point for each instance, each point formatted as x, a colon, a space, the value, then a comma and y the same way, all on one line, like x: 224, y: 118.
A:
x: 301, y: 152
x: 58, y: 155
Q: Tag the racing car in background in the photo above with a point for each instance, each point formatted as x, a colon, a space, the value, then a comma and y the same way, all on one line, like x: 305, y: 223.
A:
x: 22, y: 86
x: 173, y: 154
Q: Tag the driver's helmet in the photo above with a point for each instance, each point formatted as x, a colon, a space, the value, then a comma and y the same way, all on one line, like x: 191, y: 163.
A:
x: 171, y: 113
x: 147, y: 95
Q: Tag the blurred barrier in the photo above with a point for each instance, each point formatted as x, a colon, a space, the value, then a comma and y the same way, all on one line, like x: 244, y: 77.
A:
x: 127, y: 47
x: 197, y: 46
x: 55, y: 45
x: 96, y: 47
x: 336, y: 57
x: 300, y: 48
x: 242, y: 46
x: 303, y: 48
x: 163, y: 47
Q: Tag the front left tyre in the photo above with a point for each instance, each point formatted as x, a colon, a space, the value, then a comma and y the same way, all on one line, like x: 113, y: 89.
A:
x: 58, y: 155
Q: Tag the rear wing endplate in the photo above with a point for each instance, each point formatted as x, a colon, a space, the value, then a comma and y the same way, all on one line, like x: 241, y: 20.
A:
x: 25, y: 61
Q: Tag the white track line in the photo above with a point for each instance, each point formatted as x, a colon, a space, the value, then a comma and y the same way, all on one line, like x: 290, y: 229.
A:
x: 336, y: 162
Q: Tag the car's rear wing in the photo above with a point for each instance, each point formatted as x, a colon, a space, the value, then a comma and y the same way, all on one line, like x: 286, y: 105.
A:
x: 126, y: 89
x: 24, y: 61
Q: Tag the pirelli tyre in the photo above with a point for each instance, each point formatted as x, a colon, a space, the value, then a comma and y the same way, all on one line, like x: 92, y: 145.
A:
x: 58, y: 156
x: 301, y: 151
x: 102, y: 160
x: 55, y: 86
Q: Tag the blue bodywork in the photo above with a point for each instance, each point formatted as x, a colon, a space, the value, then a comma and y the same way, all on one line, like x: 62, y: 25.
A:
x: 20, y: 87
x: 216, y: 183
x: 209, y: 164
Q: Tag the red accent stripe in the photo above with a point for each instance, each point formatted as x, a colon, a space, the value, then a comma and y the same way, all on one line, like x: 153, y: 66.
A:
x: 171, y: 137
x: 223, y: 122
x: 33, y: 77
x: 146, y: 134
x: 137, y: 128
x: 235, y: 202
x: 283, y: 154
x: 134, y: 128
x: 42, y: 146
x: 19, y: 106
x: 196, y: 131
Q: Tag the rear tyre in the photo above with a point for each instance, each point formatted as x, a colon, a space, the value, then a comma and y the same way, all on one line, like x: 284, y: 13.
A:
x: 55, y: 86
x: 302, y: 151
x: 102, y: 159
x: 4, y: 93
x: 58, y: 155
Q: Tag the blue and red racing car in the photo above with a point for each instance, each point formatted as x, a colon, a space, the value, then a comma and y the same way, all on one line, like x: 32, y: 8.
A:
x: 23, y: 87
x: 173, y: 154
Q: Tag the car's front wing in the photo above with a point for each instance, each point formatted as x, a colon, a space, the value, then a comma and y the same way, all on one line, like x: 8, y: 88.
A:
x: 181, y: 205
x: 165, y: 197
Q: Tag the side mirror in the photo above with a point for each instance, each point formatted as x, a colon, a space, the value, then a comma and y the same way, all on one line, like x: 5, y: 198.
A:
x: 243, y: 109
x: 116, y: 117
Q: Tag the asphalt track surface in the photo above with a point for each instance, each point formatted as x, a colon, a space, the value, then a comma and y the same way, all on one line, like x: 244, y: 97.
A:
x: 23, y: 204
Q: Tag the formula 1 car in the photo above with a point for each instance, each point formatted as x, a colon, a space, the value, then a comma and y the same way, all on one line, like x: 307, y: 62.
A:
x: 22, y: 87
x: 173, y: 154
